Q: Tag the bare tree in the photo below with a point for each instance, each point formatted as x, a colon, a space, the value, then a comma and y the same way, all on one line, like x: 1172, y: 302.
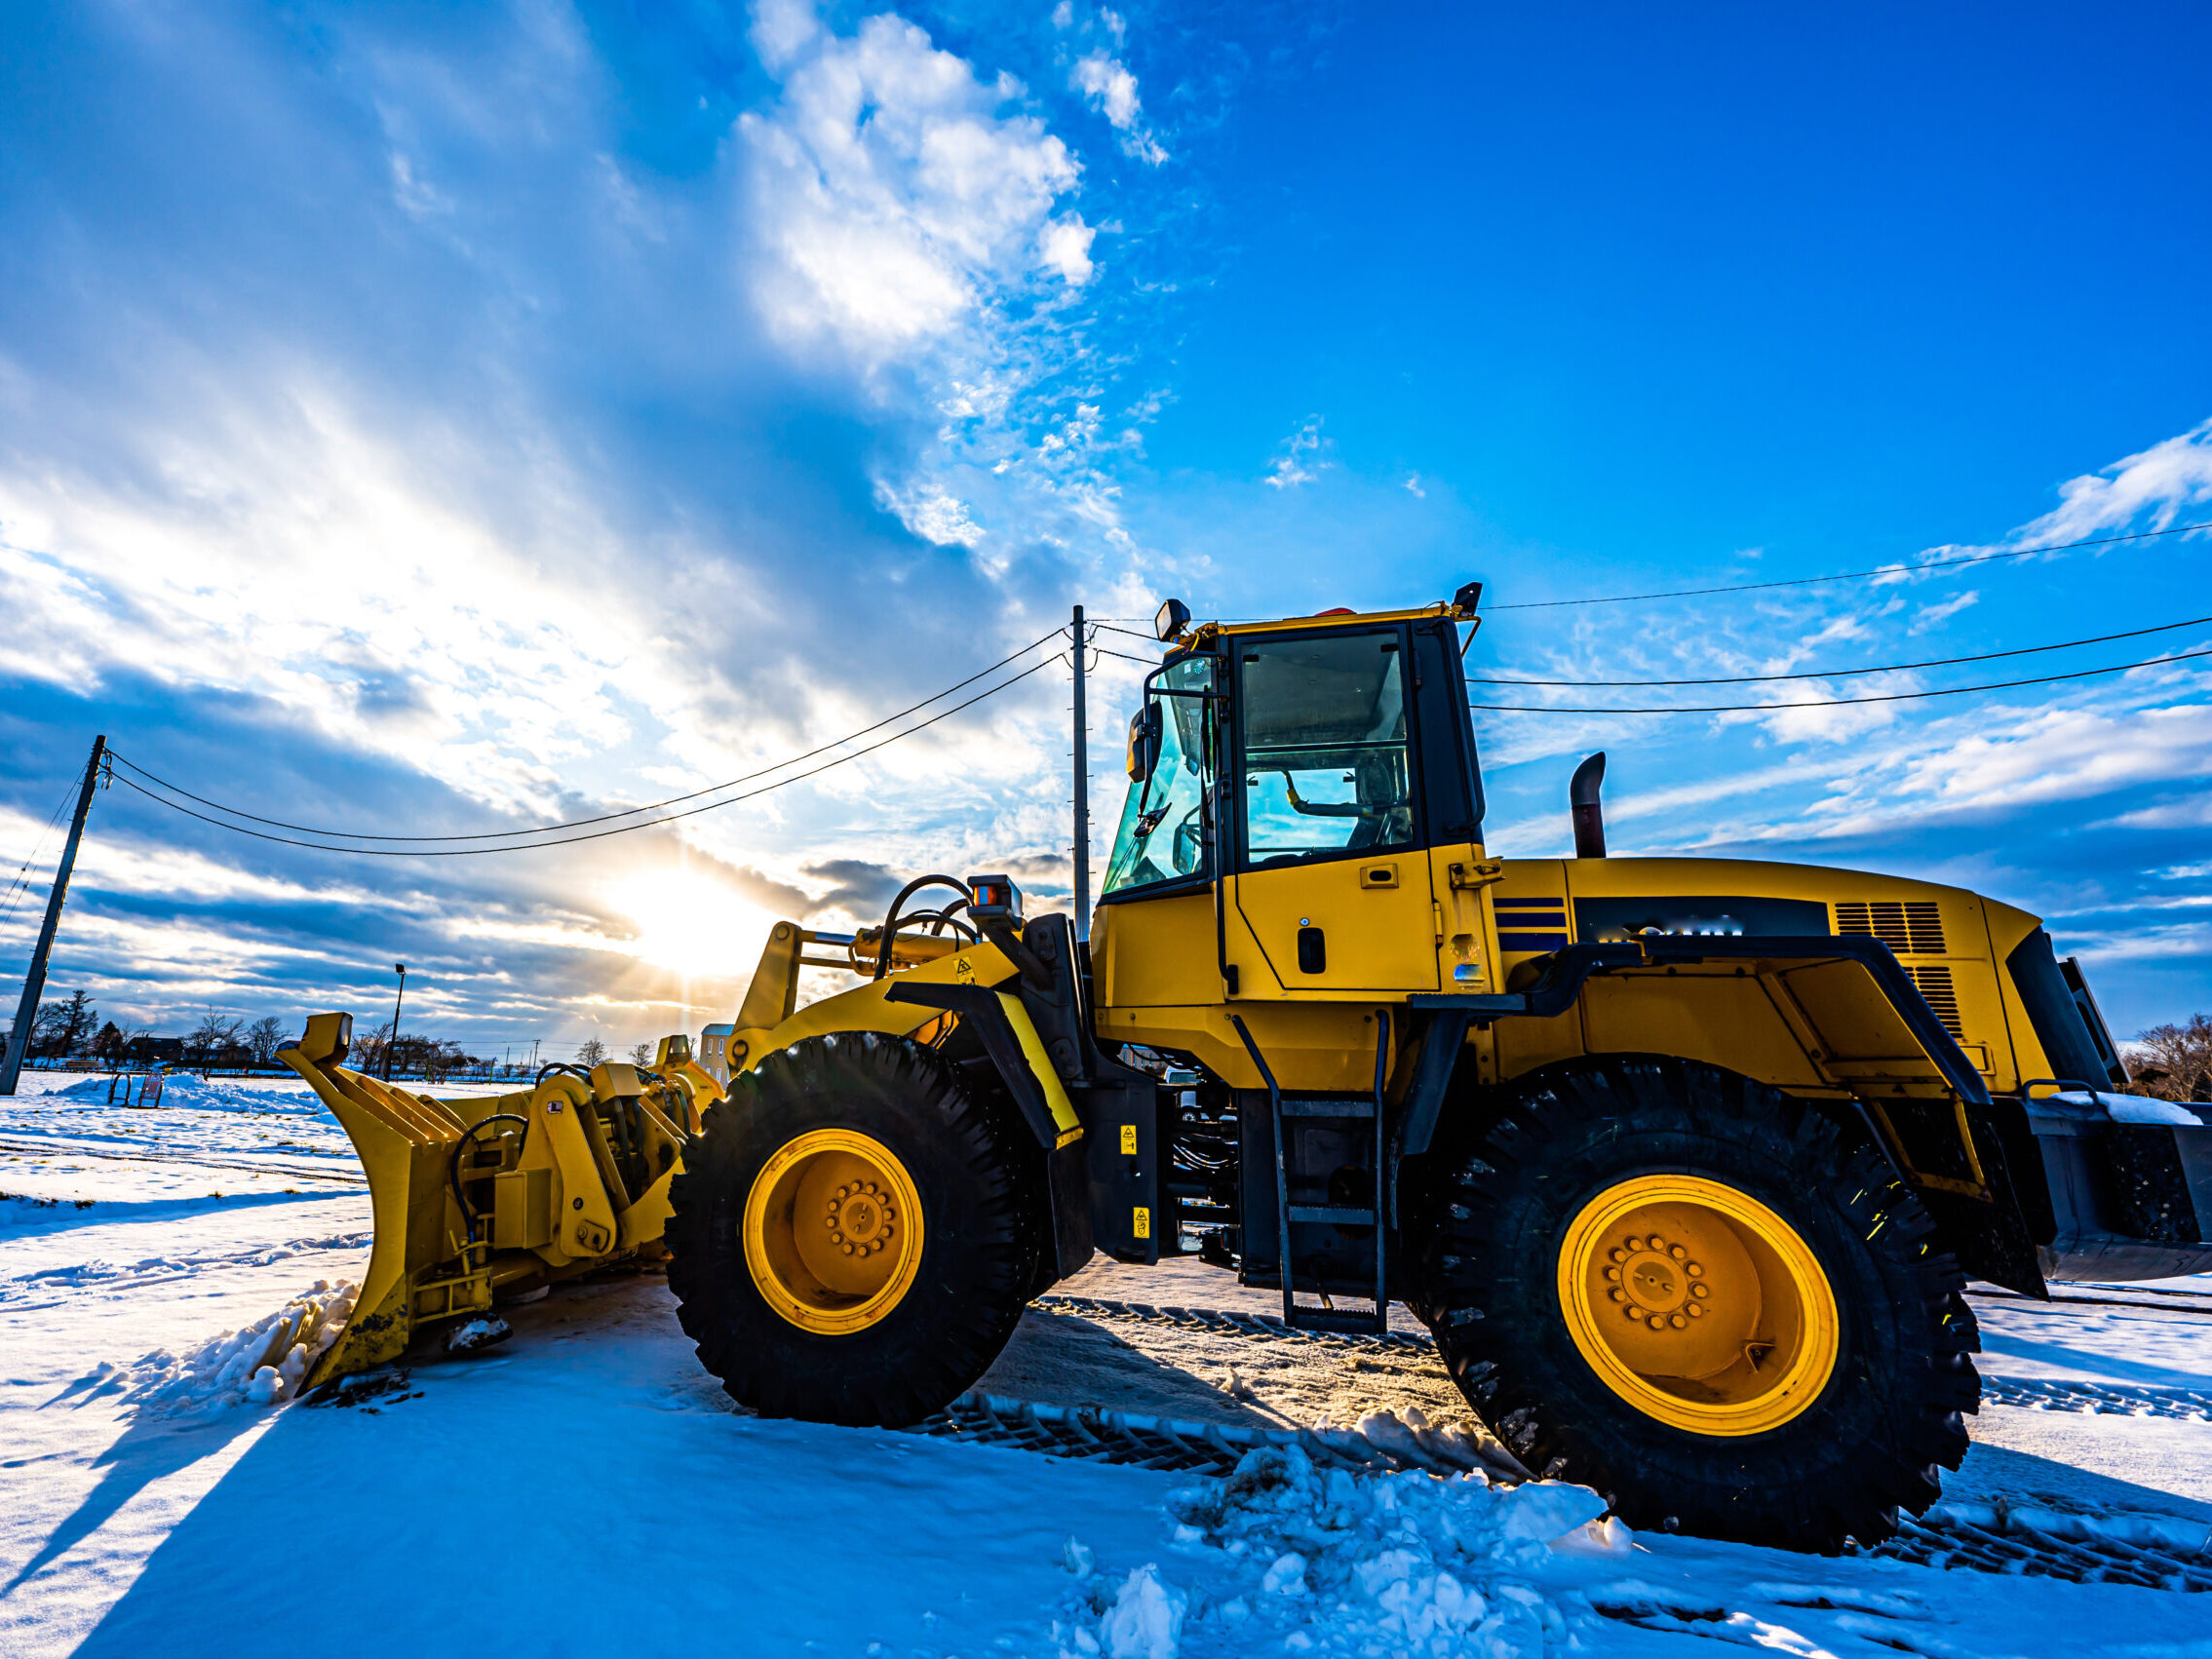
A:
x: 366, y: 1052
x: 66, y: 1026
x: 592, y: 1053
x: 2178, y: 1065
x: 214, y: 1031
x: 264, y: 1037
x: 642, y: 1054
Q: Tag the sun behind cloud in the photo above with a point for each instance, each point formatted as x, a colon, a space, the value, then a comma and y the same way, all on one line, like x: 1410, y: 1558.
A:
x: 690, y: 924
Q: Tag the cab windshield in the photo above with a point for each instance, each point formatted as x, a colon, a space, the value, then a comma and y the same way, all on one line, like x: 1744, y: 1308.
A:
x: 1163, y: 832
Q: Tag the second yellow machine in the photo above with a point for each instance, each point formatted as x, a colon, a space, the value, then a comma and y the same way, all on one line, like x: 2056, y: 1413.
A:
x: 1684, y: 1162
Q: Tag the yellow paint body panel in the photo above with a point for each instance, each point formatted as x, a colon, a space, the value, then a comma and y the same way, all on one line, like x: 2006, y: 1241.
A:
x: 1067, y: 1126
x: 1484, y: 925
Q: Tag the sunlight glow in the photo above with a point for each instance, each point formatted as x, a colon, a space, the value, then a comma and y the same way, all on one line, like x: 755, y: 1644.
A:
x: 692, y: 925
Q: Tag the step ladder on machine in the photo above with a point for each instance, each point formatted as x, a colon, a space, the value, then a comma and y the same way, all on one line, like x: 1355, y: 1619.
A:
x: 1305, y: 1316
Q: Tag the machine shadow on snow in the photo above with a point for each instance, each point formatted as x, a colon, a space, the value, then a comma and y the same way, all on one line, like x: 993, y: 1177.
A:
x: 2105, y: 1368
x: 2026, y: 1478
x: 150, y: 1450
x: 1066, y: 1359
x: 587, y: 1415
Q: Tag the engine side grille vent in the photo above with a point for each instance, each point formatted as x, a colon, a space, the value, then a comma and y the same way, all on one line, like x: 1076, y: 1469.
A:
x: 1935, y: 985
x: 1912, y: 928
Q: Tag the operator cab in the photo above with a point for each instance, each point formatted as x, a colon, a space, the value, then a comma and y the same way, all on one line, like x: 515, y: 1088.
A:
x: 1347, y: 741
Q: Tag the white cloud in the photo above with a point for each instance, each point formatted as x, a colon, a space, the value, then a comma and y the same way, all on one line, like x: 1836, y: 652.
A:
x: 939, y: 519
x: 891, y: 200
x: 1110, y: 88
x: 2161, y: 482
x: 1112, y: 92
x: 417, y: 198
x: 1934, y: 616
x: 1298, y: 460
x: 1065, y: 246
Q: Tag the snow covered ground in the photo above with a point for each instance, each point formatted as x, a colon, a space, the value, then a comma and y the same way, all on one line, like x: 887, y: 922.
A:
x: 587, y: 1488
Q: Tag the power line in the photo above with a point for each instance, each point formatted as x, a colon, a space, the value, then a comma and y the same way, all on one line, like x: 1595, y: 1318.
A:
x: 1840, y: 673
x: 1841, y: 701
x: 1851, y: 575
x: 21, y: 886
x: 596, y: 835
x: 608, y: 817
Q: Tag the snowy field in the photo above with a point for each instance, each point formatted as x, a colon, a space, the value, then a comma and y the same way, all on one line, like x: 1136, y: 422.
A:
x: 585, y: 1488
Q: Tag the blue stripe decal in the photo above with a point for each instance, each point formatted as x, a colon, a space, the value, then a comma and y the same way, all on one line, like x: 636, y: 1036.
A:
x: 1532, y: 941
x: 1531, y: 903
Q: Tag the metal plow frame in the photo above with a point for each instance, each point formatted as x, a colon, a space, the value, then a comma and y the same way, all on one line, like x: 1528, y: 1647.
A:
x: 550, y: 1198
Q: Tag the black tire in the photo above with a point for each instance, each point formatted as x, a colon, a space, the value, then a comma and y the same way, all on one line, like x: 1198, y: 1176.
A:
x: 1489, y: 1210
x: 975, y: 1171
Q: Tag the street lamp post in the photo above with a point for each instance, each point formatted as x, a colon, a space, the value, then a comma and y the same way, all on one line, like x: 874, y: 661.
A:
x: 401, y: 969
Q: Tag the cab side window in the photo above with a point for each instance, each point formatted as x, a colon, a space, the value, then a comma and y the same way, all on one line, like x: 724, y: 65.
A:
x: 1322, y: 729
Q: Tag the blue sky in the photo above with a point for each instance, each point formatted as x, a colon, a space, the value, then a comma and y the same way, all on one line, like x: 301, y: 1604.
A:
x: 420, y: 419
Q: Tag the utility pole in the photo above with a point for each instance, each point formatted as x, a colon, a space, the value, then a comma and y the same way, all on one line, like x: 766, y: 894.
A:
x: 401, y: 969
x: 26, y: 1010
x: 1083, y: 794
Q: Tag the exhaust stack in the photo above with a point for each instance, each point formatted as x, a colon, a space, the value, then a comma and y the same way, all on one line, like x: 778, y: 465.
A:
x: 1582, y: 802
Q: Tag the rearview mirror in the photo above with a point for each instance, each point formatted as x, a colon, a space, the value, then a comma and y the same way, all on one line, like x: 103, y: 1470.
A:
x: 1144, y: 743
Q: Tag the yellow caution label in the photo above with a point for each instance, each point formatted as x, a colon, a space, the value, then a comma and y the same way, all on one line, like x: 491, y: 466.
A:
x: 1144, y: 1222
x: 1129, y: 1138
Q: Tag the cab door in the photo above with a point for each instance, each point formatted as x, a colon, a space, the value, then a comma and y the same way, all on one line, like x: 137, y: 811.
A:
x: 1329, y: 888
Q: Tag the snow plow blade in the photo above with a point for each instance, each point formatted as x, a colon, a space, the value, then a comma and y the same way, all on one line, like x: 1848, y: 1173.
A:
x: 478, y: 1199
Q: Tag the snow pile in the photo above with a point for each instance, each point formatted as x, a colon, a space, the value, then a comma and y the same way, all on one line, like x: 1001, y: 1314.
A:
x: 1398, y: 1562
x: 261, y: 1365
x: 1467, y: 1446
x: 192, y: 1092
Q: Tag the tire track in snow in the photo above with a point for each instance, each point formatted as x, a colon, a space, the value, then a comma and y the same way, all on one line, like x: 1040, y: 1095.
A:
x: 2151, y: 1553
x: 55, y: 1145
x: 105, y: 1277
x: 2029, y: 1393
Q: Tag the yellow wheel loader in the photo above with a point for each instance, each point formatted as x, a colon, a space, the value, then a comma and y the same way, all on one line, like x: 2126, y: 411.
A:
x: 1683, y: 1161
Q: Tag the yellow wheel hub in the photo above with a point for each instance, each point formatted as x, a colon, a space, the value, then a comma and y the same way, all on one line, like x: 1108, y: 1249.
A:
x: 834, y: 1231
x: 1699, y: 1305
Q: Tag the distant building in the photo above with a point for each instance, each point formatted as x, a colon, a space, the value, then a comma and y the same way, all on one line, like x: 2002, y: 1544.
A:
x: 714, y: 1051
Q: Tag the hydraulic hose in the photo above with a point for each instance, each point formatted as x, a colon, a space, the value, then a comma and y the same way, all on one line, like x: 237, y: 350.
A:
x: 891, y: 920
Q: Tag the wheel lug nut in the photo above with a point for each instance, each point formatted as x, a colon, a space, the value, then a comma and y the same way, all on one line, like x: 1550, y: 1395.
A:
x: 1616, y: 1295
x: 1657, y: 1242
x: 1678, y: 1322
x: 1613, y: 1273
x: 1700, y: 1291
x: 1621, y: 1256
x: 1696, y: 1311
x: 1694, y: 1271
x: 1678, y: 1254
